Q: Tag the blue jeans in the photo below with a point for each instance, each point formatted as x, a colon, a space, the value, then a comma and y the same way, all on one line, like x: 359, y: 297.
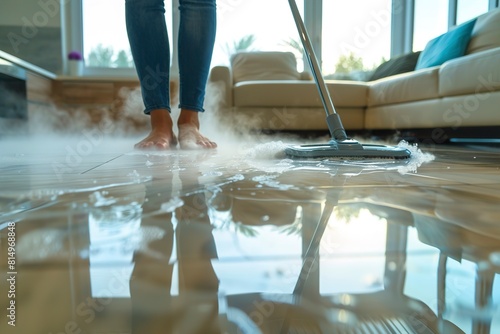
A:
x: 148, y: 38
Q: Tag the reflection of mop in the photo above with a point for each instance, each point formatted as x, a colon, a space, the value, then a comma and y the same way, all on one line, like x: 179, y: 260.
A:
x: 385, y: 311
x: 311, y: 255
x: 340, y: 145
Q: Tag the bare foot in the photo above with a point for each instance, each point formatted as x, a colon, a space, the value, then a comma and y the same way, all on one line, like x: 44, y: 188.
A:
x: 190, y: 138
x: 161, y: 136
x: 157, y: 140
x: 189, y: 134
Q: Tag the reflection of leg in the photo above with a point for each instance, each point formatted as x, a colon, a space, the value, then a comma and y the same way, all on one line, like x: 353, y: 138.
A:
x: 195, y: 247
x: 148, y: 38
x: 395, y: 251
x: 151, y: 280
x: 441, y: 285
x: 150, y: 286
x: 484, y: 292
x: 195, y: 251
x: 196, y: 41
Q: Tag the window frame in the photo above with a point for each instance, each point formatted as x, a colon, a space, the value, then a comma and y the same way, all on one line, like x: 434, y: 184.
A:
x: 402, y: 30
x: 72, y: 39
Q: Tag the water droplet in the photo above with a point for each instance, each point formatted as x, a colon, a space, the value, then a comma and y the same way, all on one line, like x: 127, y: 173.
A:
x: 212, y: 173
x: 171, y: 205
x: 392, y: 266
x: 495, y: 258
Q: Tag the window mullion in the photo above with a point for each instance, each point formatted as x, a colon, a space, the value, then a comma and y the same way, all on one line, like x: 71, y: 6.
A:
x: 313, y: 21
x: 72, y: 29
x: 409, y: 25
x: 175, y: 33
x: 403, y: 13
x: 452, y: 13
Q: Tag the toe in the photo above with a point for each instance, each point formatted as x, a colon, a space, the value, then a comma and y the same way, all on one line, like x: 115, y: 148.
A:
x: 205, y: 143
x: 140, y: 145
x: 210, y: 144
x: 161, y: 145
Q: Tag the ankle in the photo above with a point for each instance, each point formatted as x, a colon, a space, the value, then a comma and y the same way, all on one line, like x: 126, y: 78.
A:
x: 160, y: 119
x: 188, y: 118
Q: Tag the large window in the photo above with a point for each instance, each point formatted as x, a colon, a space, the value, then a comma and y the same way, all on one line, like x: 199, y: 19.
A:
x: 257, y: 25
x: 104, y: 36
x: 356, y: 37
x: 431, y: 20
x: 105, y: 41
x: 432, y: 17
x: 353, y: 36
x: 468, y: 9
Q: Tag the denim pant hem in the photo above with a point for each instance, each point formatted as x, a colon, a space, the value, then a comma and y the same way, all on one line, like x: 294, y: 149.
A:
x: 148, y: 111
x: 185, y: 106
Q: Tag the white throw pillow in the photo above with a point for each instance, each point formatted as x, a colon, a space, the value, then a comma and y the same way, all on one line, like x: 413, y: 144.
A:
x: 249, y: 66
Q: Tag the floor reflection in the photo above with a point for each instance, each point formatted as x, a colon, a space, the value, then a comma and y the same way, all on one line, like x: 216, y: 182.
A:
x: 156, y: 305
x: 221, y: 243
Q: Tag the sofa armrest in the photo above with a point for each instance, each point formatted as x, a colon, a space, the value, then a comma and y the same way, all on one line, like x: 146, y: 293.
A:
x: 472, y: 74
x: 305, y: 76
x: 221, y: 78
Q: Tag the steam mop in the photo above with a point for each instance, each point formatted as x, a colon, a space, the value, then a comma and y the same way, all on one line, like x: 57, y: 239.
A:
x: 339, y: 145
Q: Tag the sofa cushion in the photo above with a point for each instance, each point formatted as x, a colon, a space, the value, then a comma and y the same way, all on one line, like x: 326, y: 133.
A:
x: 450, y: 45
x: 406, y: 87
x: 296, y: 93
x: 472, y: 74
x: 485, y: 34
x: 298, y: 118
x: 398, y: 65
x: 453, y: 111
x: 248, y: 66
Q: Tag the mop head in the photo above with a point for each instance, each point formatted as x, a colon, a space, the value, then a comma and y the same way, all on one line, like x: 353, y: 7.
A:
x: 350, y: 149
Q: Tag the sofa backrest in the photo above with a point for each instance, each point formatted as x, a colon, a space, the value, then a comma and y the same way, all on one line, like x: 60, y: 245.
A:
x: 486, y: 32
x: 249, y: 66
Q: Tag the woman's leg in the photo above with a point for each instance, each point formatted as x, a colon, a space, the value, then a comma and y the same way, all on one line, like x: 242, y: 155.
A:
x: 148, y: 38
x: 196, y: 42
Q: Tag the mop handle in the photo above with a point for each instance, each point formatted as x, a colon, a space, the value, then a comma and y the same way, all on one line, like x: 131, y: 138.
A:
x: 313, y: 62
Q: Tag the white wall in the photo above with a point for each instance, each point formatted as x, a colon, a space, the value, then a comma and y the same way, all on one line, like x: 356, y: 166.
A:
x: 40, y: 13
x: 31, y: 30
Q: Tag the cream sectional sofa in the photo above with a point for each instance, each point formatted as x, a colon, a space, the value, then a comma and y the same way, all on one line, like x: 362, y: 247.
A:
x: 263, y: 90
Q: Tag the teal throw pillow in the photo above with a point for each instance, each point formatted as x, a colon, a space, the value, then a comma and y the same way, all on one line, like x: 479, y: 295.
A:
x: 450, y: 45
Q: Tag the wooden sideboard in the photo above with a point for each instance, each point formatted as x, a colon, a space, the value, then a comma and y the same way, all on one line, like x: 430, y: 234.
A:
x: 63, y: 103
x: 88, y: 101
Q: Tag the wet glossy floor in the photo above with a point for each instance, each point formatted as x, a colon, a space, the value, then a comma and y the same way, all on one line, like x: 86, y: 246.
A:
x: 244, y: 240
